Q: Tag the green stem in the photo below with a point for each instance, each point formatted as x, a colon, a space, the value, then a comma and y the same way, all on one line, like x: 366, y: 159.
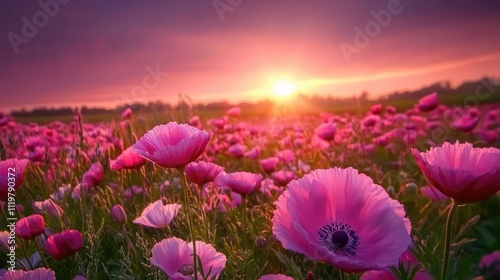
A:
x: 41, y: 254
x: 244, y: 200
x: 447, y: 239
x: 185, y: 187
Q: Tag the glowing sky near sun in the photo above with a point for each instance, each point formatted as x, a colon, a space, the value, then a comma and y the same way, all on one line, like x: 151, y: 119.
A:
x: 96, y: 53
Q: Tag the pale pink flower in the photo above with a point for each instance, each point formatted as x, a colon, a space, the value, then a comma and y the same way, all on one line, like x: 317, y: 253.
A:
x: 41, y: 273
x: 175, y: 257
x: 158, y: 215
x: 128, y: 159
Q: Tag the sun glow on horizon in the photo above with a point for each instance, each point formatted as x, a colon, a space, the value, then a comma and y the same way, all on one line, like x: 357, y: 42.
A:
x: 284, y: 88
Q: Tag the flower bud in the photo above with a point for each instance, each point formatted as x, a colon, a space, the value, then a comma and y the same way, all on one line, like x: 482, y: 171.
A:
x: 411, y: 190
x: 118, y: 214
x: 260, y: 242
x: 391, y: 191
x: 402, y: 177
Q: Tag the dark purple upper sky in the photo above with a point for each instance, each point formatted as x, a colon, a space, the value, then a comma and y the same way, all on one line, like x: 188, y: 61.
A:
x: 108, y: 53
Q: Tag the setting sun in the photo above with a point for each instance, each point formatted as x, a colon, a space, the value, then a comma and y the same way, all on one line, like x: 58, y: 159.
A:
x: 284, y: 88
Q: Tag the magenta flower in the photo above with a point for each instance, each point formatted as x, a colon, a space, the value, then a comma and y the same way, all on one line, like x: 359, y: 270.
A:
x: 119, y: 214
x: 433, y: 193
x: 466, y: 123
x: 172, y: 145
x: 202, y: 172
x: 127, y: 160
x: 460, y: 171
x: 175, y: 257
x: 157, y: 215
x: 428, y: 102
x: 376, y: 109
x: 275, y: 277
x: 491, y: 262
x: 64, y: 244
x: 237, y: 150
x: 269, y: 164
x: 93, y: 176
x: 38, y: 274
x: 242, y: 182
x: 126, y: 114
x: 30, y: 227
x: 11, y: 176
x: 341, y: 217
x: 326, y: 131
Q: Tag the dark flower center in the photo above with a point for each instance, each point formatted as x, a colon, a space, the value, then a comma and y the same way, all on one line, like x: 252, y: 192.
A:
x: 339, y: 238
x: 186, y: 269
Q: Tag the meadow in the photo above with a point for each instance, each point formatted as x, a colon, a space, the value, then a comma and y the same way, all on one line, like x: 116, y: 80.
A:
x: 123, y: 196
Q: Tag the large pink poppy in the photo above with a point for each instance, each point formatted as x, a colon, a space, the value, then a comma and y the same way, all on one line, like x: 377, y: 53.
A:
x: 460, y: 171
x: 341, y: 217
x: 172, y: 145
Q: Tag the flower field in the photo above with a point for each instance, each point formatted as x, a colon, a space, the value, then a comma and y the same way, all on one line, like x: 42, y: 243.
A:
x: 378, y: 195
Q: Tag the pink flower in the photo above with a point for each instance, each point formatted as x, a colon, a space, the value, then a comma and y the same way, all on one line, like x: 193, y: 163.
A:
x: 202, y: 172
x: 466, y: 123
x: 38, y: 274
x: 371, y: 120
x: 64, y: 244
x: 428, y: 102
x: 30, y: 227
x: 253, y: 153
x: 93, y: 176
x: 237, y: 150
x: 460, y: 171
x: 433, y: 193
x: 283, y: 177
x: 118, y: 214
x: 376, y: 109
x: 11, y: 176
x: 242, y: 182
x: 157, y: 215
x: 195, y: 121
x: 127, y: 160
x: 341, y: 217
x: 489, y: 136
x: 326, y: 131
x: 234, y: 112
x: 269, y: 164
x: 175, y: 257
x: 172, y: 145
x: 275, y: 277
x: 4, y: 242
x: 126, y: 114
x: 388, y: 275
x: 491, y: 262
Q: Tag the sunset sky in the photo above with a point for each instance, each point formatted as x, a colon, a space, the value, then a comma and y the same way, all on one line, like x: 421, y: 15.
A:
x: 102, y: 53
